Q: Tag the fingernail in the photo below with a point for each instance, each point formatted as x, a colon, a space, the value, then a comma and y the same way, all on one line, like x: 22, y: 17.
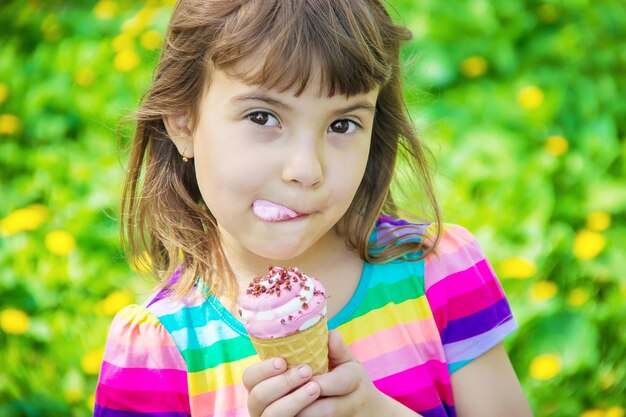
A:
x: 311, y: 389
x: 304, y: 371
x: 278, y: 363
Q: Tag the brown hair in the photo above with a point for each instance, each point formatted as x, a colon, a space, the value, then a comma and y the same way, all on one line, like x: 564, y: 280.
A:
x: 357, y: 45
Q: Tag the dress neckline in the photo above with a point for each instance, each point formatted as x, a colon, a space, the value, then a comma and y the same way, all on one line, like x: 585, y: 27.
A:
x: 333, y: 322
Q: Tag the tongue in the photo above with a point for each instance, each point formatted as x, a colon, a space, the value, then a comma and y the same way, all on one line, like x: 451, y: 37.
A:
x: 272, y: 212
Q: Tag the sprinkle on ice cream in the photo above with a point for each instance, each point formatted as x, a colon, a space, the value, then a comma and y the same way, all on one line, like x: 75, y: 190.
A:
x: 283, y: 302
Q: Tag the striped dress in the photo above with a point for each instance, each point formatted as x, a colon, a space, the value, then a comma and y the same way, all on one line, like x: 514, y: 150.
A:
x: 410, y: 324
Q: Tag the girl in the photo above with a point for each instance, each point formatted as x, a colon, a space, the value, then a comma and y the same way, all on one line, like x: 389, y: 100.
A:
x: 296, y: 106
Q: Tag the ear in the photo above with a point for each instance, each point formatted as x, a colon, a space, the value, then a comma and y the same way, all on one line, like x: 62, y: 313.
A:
x: 178, y: 128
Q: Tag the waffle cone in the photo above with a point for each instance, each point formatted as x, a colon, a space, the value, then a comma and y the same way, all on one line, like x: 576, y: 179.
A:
x: 309, y: 346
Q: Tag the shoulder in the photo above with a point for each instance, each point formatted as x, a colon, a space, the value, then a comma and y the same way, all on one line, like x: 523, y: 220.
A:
x: 136, y: 329
x: 454, y: 240
x: 456, y: 257
x: 458, y: 269
x: 175, y: 311
x: 142, y: 369
x: 141, y: 331
x: 163, y: 303
x: 134, y: 319
x: 467, y: 301
x: 457, y: 250
x: 389, y: 230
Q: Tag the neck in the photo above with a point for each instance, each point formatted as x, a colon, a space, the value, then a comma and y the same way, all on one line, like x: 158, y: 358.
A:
x: 319, y: 261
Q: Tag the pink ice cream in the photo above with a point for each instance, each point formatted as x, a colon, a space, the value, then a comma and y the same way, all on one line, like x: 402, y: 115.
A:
x: 283, y: 302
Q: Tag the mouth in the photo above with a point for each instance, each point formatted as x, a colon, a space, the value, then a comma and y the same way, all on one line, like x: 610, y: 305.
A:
x: 272, y: 212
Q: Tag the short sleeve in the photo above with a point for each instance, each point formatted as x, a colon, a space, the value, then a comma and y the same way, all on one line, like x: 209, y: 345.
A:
x: 466, y: 298
x: 142, y: 373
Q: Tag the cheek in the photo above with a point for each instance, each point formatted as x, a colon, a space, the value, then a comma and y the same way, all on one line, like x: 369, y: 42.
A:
x: 222, y: 167
x: 354, y: 168
x: 347, y: 176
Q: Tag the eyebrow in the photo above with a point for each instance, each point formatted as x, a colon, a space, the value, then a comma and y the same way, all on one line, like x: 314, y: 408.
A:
x: 359, y: 105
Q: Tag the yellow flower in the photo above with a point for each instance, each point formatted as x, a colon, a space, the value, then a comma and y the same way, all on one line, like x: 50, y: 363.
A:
x: 91, y: 361
x: 474, y: 66
x: 517, y: 267
x: 615, y: 411
x: 593, y: 412
x: 27, y: 218
x: 84, y: 76
x: 136, y: 24
x: 151, y: 40
x: 123, y: 42
x: 60, y: 242
x: 4, y: 92
x: 548, y: 13
x: 105, y: 9
x: 530, y: 97
x: 598, y: 221
x: 14, y: 321
x: 556, y: 145
x: 9, y: 124
x: 578, y: 297
x: 588, y: 244
x: 115, y: 301
x: 126, y: 60
x: 543, y: 291
x: 145, y: 15
x: 545, y: 367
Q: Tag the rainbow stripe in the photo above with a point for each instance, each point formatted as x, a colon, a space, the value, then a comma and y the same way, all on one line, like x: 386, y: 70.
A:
x: 410, y: 324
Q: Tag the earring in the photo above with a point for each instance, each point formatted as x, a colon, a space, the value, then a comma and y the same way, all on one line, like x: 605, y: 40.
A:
x: 185, y: 159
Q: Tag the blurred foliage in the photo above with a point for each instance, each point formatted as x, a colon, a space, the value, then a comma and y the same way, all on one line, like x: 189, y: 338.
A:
x: 520, y: 101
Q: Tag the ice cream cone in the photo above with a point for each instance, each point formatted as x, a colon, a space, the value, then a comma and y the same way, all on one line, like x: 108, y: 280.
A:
x: 284, y: 313
x: 306, y: 347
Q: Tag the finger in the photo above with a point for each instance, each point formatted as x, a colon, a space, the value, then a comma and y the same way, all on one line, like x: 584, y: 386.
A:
x: 358, y: 404
x: 263, y: 370
x: 292, y: 404
x: 338, y: 351
x: 275, y: 388
x: 342, y: 380
x: 334, y: 406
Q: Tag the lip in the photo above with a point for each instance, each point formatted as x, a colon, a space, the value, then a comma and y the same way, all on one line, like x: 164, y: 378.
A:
x: 300, y: 216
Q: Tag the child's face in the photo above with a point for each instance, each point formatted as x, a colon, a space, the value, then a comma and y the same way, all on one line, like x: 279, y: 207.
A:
x: 263, y: 157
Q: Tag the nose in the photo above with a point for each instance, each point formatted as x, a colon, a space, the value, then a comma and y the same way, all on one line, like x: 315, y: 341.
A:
x: 303, y: 164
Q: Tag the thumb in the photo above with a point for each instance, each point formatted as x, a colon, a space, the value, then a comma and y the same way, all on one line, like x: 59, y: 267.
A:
x: 338, y: 352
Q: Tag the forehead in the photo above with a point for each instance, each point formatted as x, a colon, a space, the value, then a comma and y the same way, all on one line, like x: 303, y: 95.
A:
x: 313, y: 73
x: 226, y: 86
x: 248, y: 73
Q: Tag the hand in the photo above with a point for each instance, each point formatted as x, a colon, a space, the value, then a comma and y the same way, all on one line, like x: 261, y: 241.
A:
x: 346, y: 390
x: 277, y: 392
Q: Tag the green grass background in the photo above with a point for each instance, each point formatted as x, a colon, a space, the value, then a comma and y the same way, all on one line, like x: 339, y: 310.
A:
x: 522, y: 102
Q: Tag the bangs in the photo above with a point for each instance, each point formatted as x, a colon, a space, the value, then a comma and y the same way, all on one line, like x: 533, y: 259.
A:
x: 278, y: 44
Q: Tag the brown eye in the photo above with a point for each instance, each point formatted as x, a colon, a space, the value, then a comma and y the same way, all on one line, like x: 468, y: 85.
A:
x: 259, y: 118
x: 343, y: 126
x: 262, y: 118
